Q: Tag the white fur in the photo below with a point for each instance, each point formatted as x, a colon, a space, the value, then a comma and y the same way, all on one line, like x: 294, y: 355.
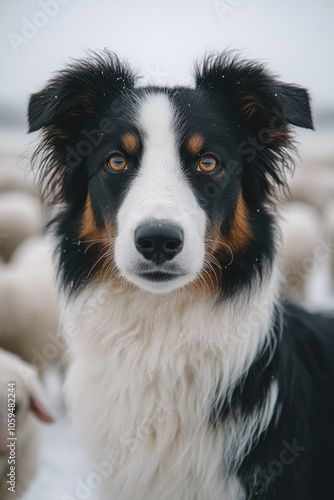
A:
x: 28, y: 429
x: 144, y: 372
x: 160, y: 191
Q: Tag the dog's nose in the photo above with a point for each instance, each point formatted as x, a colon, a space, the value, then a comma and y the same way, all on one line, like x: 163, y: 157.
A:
x: 159, y: 241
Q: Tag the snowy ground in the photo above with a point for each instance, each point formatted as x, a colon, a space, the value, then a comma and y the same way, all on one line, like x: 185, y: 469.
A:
x: 60, y: 467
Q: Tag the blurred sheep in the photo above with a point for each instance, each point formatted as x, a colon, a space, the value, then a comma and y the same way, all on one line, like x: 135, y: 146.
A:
x: 29, y: 404
x: 20, y: 217
x: 14, y: 172
x: 329, y: 228
x: 313, y: 182
x: 28, y: 316
x: 300, y: 230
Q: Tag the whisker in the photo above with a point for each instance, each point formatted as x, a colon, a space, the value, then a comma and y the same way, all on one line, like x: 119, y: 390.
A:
x: 96, y: 240
x: 226, y: 245
x: 86, y: 249
x: 201, y: 279
x: 212, y: 260
x: 209, y: 276
x: 98, y: 260
x: 110, y: 269
x: 109, y: 256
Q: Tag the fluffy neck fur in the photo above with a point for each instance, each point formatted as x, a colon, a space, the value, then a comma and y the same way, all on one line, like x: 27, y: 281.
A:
x: 167, y: 357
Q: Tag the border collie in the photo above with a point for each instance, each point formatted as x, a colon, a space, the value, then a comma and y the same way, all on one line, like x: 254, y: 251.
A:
x: 190, y: 377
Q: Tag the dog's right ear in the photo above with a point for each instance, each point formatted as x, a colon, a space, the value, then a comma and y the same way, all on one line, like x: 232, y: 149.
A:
x: 75, y: 89
x: 61, y: 111
x: 46, y: 106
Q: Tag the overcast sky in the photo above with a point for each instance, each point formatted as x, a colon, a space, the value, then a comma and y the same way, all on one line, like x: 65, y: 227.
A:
x: 163, y: 38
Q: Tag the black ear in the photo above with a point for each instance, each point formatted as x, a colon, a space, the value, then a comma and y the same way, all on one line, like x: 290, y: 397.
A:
x: 256, y: 91
x: 267, y: 108
x: 292, y: 106
x: 61, y: 110
x: 78, y: 86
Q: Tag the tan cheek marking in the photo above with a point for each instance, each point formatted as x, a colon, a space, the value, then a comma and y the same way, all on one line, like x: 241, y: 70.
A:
x: 89, y: 229
x: 89, y: 232
x: 195, y: 144
x: 241, y: 231
x: 226, y: 248
x: 130, y: 143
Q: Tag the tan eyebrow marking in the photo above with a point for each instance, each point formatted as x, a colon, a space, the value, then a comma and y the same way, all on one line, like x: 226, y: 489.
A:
x: 195, y: 144
x: 131, y: 143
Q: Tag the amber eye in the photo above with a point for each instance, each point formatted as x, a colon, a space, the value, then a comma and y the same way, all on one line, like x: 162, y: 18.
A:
x: 117, y: 163
x: 207, y: 164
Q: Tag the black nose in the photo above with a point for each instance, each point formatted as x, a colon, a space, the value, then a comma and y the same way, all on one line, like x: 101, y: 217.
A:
x: 159, y: 241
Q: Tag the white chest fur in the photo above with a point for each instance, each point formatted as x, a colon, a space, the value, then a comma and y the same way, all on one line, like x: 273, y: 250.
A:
x: 144, y: 371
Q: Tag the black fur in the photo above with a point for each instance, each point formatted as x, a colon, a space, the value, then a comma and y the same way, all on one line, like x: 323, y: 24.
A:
x: 303, y: 366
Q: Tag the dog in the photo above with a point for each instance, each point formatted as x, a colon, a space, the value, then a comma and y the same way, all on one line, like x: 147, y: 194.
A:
x: 190, y: 378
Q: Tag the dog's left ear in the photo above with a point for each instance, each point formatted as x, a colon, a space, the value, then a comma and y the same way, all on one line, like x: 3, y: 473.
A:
x: 264, y: 101
x: 266, y: 108
x: 75, y: 90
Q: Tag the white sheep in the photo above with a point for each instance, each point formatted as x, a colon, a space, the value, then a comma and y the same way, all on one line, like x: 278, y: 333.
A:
x: 300, y: 229
x: 19, y: 458
x: 28, y: 314
x: 20, y: 217
x: 329, y: 229
x: 15, y: 173
x: 313, y: 182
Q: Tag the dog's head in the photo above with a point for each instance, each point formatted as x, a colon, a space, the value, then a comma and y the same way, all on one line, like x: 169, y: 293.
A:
x: 165, y: 187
